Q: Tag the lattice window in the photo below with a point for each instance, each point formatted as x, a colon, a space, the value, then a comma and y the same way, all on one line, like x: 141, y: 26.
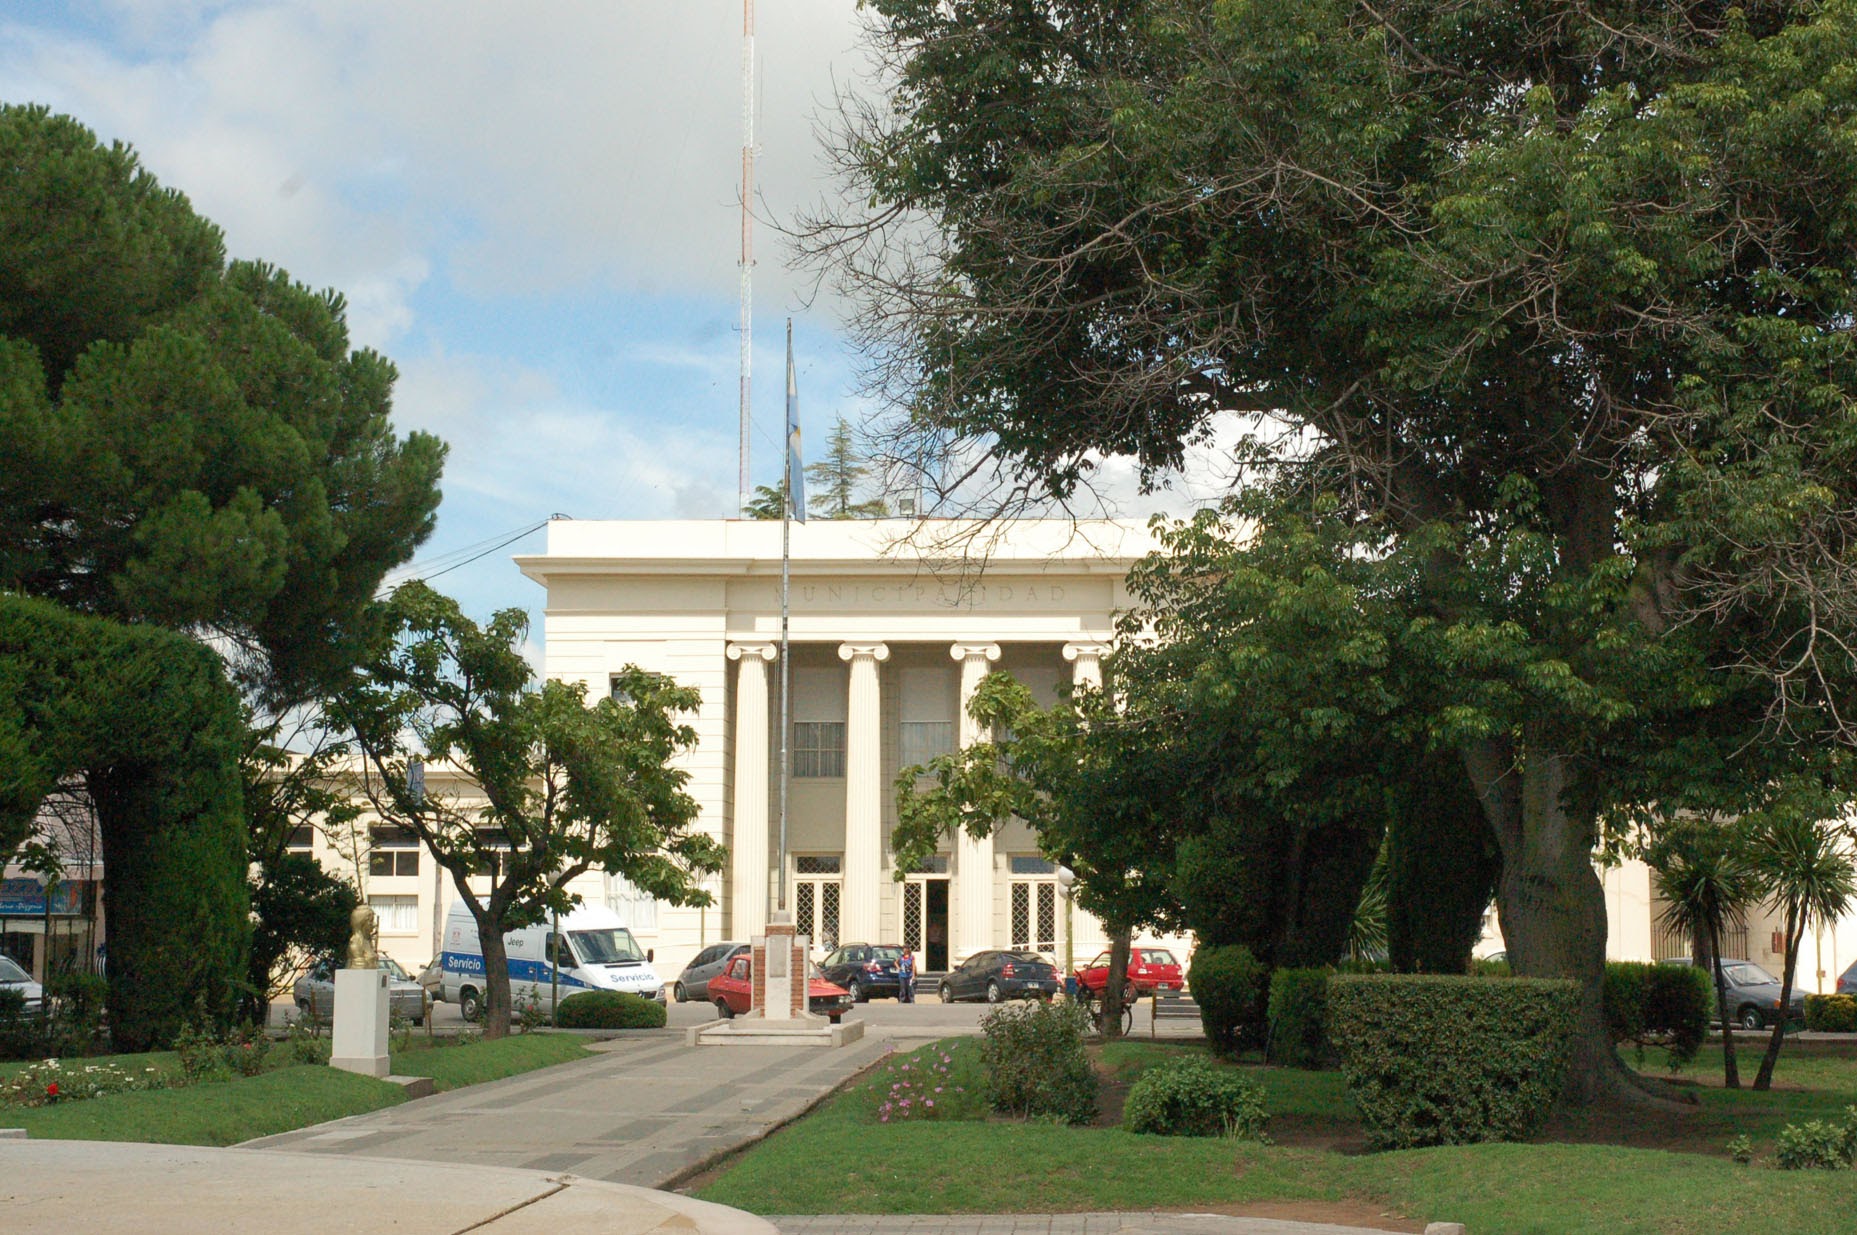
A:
x: 819, y: 864
x: 815, y: 910
x: 912, y: 916
x: 1034, y: 904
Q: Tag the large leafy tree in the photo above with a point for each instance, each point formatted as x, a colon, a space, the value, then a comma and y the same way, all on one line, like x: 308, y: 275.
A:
x: 190, y: 442
x: 1552, y: 299
x: 562, y: 787
x: 838, y: 476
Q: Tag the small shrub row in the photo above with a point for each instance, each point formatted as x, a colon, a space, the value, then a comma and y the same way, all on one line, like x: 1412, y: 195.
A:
x: 1818, y: 1144
x: 1658, y: 1005
x: 1034, y: 1060
x: 1831, y: 1013
x: 69, y: 1023
x: 53, y: 1081
x: 1436, y: 1060
x: 1192, y: 1097
x: 1231, y: 987
x: 206, y: 1055
x: 609, y: 1010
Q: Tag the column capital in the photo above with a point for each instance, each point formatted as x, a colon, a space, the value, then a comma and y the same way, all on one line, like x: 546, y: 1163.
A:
x: 766, y: 651
x: 1087, y: 647
x: 970, y: 651
x: 876, y: 651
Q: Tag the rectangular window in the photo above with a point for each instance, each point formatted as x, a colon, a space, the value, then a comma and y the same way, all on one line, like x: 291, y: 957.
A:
x: 393, y: 862
x: 1023, y: 865
x: 399, y: 915
x: 819, y: 748
x: 816, y: 864
x: 299, y: 841
x: 636, y: 908
x: 923, y: 740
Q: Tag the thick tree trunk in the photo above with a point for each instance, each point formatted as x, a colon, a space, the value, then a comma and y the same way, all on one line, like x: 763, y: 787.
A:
x: 496, y: 979
x: 1552, y: 904
x: 1795, y: 933
x: 1118, y: 978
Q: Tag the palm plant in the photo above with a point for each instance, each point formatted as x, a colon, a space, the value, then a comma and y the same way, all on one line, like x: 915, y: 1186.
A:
x: 1703, y: 872
x: 1801, y: 861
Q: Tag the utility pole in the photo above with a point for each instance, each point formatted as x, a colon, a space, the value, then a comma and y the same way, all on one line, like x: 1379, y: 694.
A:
x: 744, y: 488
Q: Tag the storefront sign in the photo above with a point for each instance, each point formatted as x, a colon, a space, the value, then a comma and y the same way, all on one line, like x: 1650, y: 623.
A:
x: 25, y: 898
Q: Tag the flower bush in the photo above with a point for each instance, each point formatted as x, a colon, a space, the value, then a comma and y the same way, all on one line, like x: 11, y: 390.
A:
x: 42, y: 1084
x: 928, y: 1084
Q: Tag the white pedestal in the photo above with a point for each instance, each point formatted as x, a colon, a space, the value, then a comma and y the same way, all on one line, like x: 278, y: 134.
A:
x: 360, y: 1038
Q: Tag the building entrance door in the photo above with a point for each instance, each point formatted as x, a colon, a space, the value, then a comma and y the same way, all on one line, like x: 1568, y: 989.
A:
x: 925, y: 921
x: 817, y: 888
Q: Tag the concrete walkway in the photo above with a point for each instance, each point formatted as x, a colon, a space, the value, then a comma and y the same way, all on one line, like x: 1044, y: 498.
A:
x: 647, y: 1112
x: 109, y: 1188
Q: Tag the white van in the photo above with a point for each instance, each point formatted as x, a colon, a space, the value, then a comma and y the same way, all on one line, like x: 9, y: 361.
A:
x: 597, y: 953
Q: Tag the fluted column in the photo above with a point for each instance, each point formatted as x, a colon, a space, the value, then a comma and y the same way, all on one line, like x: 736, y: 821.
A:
x: 748, y: 845
x: 863, y: 792
x: 973, y: 858
x: 1086, y: 663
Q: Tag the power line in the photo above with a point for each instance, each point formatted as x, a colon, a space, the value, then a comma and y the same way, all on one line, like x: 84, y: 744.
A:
x: 444, y: 563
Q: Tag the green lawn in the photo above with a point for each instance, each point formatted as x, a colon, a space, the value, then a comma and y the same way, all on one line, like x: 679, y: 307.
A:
x: 286, y: 1096
x: 844, y: 1159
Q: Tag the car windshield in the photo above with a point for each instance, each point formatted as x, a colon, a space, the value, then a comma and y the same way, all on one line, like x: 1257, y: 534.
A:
x: 1747, y: 973
x: 1024, y: 958
x: 886, y: 954
x: 393, y: 967
x: 1157, y: 956
x: 10, y: 972
x: 605, y: 947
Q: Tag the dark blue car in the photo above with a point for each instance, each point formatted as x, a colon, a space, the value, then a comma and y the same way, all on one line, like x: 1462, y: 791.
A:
x: 999, y: 976
x: 865, y: 970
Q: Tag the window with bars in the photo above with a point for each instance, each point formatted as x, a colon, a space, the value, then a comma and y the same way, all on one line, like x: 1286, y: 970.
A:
x: 819, y: 748
x: 912, y: 916
x: 398, y: 915
x: 1034, y: 916
x: 819, y: 864
x: 1023, y: 865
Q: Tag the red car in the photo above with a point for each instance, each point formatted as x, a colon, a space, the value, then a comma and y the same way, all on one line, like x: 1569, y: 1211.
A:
x: 732, y: 991
x: 1150, y: 970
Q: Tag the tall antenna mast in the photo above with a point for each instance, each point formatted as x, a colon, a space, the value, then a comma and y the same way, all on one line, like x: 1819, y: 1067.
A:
x: 747, y: 260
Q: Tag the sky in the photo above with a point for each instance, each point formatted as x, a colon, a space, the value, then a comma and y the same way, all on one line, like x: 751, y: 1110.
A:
x: 532, y: 209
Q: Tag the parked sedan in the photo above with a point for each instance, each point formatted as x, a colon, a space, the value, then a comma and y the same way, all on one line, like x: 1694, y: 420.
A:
x: 1752, y: 995
x: 13, y: 977
x: 866, y: 970
x: 1150, y: 971
x: 692, y: 985
x: 315, y: 992
x: 732, y: 991
x: 999, y: 976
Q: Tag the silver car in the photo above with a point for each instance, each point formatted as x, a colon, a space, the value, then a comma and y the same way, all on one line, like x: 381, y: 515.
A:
x: 315, y: 993
x: 693, y: 983
x: 15, y: 978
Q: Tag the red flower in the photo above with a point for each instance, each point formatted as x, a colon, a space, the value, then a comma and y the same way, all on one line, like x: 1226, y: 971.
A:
x: 51, y: 1090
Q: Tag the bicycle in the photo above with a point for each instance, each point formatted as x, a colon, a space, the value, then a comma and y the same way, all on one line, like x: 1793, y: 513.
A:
x: 1099, y: 1007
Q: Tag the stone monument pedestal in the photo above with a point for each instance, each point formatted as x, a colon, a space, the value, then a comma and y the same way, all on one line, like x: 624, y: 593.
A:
x: 360, y: 1036
x: 778, y: 1015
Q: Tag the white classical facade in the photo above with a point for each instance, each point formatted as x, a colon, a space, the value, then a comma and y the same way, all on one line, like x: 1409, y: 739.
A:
x: 889, y: 638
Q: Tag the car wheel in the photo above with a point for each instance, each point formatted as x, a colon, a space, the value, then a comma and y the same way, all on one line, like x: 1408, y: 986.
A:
x: 854, y: 989
x: 723, y: 1011
x: 994, y: 994
x: 944, y: 994
x: 678, y: 993
x: 470, y: 1004
x: 1750, y: 1017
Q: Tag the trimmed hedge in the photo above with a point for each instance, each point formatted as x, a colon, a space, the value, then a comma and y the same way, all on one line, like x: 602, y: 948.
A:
x: 1831, y: 1013
x: 1299, y: 1018
x: 1192, y: 1097
x: 1228, y: 983
x: 1435, y: 1060
x: 1658, y: 1005
x: 609, y: 1010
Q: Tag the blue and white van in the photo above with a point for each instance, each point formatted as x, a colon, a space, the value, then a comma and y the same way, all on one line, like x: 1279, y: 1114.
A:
x: 597, y: 953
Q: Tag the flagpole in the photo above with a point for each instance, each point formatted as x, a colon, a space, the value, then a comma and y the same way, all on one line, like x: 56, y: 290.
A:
x: 786, y: 656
